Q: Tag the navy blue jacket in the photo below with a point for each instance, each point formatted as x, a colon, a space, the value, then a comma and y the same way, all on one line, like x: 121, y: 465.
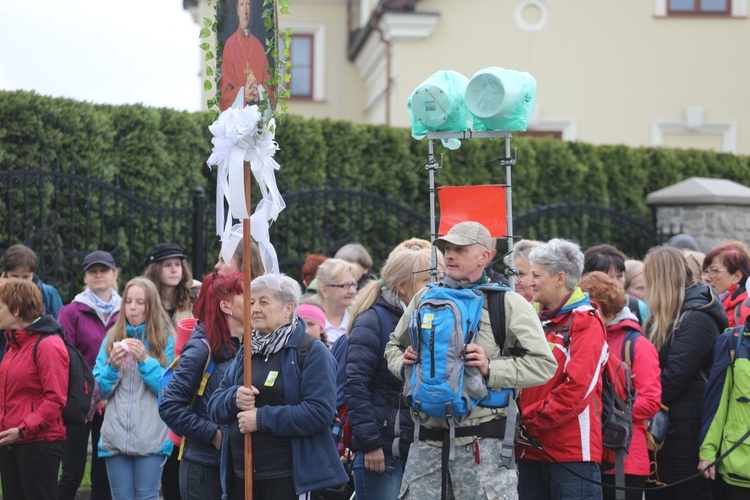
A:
x: 193, y: 423
x: 338, y: 350
x: 306, y: 417
x: 371, y: 391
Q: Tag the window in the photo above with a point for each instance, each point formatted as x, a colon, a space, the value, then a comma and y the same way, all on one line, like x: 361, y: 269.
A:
x: 705, y: 7
x: 308, y: 60
x: 700, y: 8
x: 302, y: 66
x: 695, y: 131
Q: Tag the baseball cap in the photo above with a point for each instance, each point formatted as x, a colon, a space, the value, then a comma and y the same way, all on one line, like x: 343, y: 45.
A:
x: 99, y: 257
x: 466, y: 233
x: 164, y: 251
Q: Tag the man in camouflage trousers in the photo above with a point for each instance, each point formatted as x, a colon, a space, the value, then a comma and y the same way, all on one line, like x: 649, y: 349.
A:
x: 525, y: 360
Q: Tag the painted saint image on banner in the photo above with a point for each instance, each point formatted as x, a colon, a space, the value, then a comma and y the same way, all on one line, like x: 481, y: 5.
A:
x: 244, y: 62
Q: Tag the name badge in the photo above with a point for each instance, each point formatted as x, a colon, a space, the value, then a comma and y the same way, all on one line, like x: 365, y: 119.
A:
x: 271, y: 379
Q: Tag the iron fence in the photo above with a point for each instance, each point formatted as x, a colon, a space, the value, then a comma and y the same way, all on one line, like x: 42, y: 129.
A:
x: 65, y: 215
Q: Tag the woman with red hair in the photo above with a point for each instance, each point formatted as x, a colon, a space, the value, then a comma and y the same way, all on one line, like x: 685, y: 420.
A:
x: 214, y: 341
x: 726, y: 269
x: 622, y: 324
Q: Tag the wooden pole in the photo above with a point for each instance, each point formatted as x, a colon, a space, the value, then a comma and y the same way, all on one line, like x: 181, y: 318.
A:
x: 247, y: 319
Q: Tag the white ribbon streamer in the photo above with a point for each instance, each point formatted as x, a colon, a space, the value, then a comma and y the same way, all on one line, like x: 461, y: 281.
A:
x: 241, y: 135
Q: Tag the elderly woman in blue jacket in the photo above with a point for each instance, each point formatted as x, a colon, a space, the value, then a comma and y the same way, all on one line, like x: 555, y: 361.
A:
x: 288, y: 410
x: 132, y: 359
x: 216, y: 337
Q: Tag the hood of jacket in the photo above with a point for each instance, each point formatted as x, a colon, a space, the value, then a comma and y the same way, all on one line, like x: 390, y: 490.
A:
x: 45, y: 325
x: 623, y: 321
x: 700, y: 296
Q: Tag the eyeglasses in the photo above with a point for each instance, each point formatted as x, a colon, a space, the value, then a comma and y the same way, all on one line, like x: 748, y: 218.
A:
x: 712, y: 272
x: 345, y: 285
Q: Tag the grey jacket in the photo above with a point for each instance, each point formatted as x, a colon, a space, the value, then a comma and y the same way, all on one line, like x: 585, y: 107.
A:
x: 132, y: 425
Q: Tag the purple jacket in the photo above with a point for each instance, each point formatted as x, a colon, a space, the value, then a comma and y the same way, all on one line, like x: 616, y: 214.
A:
x: 86, y: 331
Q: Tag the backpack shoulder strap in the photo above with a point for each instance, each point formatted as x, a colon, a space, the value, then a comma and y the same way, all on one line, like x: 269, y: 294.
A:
x: 303, y: 349
x: 496, y: 309
x: 42, y: 336
x: 208, y: 368
x: 628, y: 347
x: 634, y: 307
x: 737, y: 341
x: 738, y: 314
x: 565, y: 329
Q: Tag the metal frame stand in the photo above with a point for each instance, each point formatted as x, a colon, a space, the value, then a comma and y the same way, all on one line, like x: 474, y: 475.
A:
x: 508, y: 161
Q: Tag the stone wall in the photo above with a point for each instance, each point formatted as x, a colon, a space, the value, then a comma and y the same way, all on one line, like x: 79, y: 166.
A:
x: 710, y: 225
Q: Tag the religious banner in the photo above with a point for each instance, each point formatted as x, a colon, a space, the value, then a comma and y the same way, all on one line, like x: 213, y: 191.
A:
x: 244, y: 32
x: 244, y: 146
x: 244, y: 133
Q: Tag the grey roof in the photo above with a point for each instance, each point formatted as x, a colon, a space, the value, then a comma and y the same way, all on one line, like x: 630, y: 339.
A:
x: 701, y: 191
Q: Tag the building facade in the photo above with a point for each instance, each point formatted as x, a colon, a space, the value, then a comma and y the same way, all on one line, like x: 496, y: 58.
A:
x: 648, y: 73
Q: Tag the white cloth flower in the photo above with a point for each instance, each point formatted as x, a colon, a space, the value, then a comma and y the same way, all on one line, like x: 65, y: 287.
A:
x: 242, y: 135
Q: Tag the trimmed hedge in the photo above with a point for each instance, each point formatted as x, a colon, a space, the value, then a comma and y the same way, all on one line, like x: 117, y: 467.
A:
x: 162, y: 152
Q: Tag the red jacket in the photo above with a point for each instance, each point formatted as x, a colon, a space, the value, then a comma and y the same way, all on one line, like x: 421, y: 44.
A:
x: 735, y: 305
x: 564, y: 414
x: 645, y: 374
x: 32, y: 396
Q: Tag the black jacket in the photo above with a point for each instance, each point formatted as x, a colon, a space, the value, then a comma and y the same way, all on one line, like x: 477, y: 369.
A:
x: 371, y: 391
x: 193, y: 423
x: 685, y: 361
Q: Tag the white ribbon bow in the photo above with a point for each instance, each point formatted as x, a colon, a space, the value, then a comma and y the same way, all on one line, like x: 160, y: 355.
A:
x: 241, y: 135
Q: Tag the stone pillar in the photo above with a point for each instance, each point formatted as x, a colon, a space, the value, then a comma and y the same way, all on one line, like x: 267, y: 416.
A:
x: 710, y: 210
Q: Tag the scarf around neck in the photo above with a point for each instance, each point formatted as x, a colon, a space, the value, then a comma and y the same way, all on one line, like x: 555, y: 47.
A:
x: 265, y: 345
x: 104, y: 309
x: 573, y: 300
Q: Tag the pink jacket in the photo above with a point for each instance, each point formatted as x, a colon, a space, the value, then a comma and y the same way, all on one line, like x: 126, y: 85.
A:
x: 645, y: 373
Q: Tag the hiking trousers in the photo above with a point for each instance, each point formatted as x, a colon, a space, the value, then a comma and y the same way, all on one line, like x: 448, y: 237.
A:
x: 466, y: 478
x: 29, y: 470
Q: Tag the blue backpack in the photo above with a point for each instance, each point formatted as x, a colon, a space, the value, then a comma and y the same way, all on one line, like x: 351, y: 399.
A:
x: 446, y: 320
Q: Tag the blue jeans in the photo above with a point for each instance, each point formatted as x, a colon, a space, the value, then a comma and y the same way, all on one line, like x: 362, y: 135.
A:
x: 538, y: 480
x: 199, y: 482
x: 132, y: 477
x: 370, y: 484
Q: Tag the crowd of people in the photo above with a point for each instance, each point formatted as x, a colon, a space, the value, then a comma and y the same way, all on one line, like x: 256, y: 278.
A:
x: 335, y: 359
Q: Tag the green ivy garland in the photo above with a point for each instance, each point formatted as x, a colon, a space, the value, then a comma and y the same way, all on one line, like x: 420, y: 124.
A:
x: 270, y: 23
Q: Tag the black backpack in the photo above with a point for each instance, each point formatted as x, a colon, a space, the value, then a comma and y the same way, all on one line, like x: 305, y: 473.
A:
x: 80, y: 384
x: 634, y: 305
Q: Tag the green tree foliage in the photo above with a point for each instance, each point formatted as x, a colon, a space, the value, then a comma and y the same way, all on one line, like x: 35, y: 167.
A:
x: 161, y: 153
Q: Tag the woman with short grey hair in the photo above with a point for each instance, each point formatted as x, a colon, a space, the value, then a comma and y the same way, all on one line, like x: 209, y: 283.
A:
x: 289, y: 290
x: 559, y: 255
x: 569, y: 402
x: 289, y: 407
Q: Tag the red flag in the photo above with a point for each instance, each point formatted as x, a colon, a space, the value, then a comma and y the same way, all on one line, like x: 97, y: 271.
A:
x: 484, y: 204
